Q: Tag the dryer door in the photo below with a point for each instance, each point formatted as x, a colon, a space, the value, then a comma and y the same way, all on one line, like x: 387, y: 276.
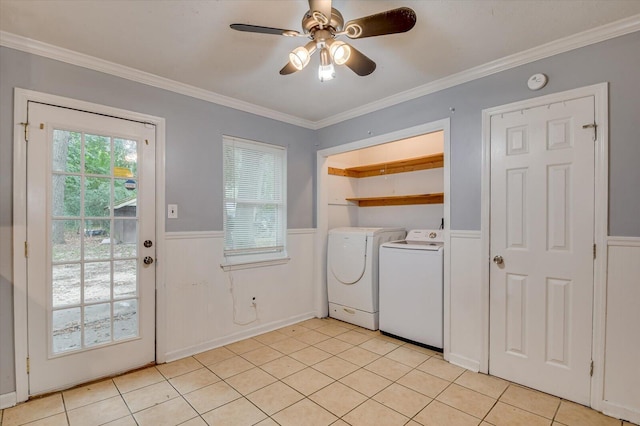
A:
x: 347, y: 256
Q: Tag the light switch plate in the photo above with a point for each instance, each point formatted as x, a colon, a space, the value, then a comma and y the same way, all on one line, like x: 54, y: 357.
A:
x: 172, y: 211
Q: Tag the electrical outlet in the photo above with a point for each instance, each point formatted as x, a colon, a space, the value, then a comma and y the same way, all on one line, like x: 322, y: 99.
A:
x: 172, y: 211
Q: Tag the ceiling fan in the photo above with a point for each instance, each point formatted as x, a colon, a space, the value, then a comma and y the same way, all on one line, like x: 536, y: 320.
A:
x: 323, y: 24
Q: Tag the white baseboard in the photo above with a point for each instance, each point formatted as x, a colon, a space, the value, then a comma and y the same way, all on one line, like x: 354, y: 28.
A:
x: 245, y: 334
x: 620, y: 412
x: 464, y: 362
x: 8, y: 400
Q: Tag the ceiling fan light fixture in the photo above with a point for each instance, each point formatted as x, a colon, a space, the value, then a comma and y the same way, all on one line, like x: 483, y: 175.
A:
x: 300, y: 56
x: 340, y: 52
x: 322, y: 23
x: 326, y: 71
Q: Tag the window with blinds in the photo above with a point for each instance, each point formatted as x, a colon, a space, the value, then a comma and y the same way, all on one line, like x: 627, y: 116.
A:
x: 255, y: 210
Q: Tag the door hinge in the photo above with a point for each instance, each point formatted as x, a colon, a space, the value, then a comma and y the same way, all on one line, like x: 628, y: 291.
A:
x: 28, y: 365
x: 26, y: 130
x: 594, y: 251
x: 26, y: 249
x: 593, y: 126
x: 591, y: 369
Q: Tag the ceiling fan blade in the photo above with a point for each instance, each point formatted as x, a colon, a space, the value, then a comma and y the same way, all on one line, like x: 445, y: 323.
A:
x: 263, y: 30
x: 390, y: 22
x: 288, y: 69
x: 360, y: 63
x: 322, y: 6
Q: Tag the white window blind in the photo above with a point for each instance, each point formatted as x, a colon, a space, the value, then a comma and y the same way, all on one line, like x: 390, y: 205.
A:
x: 254, y: 200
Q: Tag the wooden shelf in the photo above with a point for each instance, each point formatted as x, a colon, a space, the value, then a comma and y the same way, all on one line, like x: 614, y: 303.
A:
x: 399, y: 200
x: 400, y: 166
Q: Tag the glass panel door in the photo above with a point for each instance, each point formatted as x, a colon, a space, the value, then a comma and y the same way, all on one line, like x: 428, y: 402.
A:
x: 90, y: 210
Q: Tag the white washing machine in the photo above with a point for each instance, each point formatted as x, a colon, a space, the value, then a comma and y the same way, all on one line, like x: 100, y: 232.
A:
x: 352, y: 273
x: 412, y: 288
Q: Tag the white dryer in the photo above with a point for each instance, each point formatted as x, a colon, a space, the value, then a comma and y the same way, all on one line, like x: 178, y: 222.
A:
x: 352, y: 273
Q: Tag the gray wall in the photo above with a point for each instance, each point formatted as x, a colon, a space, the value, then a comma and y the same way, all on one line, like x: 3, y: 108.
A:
x: 194, y: 132
x: 616, y: 61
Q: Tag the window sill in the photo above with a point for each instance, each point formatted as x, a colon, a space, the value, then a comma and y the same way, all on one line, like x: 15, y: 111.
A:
x: 253, y: 264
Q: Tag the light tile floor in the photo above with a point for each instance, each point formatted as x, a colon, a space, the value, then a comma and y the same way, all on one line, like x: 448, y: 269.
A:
x: 317, y: 372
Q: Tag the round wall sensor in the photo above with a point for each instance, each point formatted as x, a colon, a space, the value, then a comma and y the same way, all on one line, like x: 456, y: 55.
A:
x: 537, y: 81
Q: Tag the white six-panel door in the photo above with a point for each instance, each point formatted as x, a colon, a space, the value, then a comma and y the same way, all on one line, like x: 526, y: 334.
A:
x: 542, y: 236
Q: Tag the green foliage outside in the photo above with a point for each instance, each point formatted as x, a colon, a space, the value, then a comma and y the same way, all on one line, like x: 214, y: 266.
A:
x: 97, y: 165
x: 69, y: 166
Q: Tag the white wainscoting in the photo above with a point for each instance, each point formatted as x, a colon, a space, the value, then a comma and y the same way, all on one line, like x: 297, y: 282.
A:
x: 465, y: 300
x: 621, y: 393
x: 620, y: 387
x: 201, y: 311
x: 7, y: 400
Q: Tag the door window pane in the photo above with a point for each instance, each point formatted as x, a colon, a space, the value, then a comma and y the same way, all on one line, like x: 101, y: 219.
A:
x: 66, y: 151
x: 125, y: 160
x: 66, y: 285
x: 97, y: 197
x: 66, y: 330
x: 65, y: 196
x: 125, y: 278
x: 97, y: 155
x: 125, y: 319
x: 126, y: 197
x: 97, y: 324
x: 65, y: 239
x: 125, y: 237
x: 97, y: 240
x: 97, y: 281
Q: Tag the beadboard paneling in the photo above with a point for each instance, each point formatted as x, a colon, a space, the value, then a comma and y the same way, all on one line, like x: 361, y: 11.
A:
x: 202, y: 311
x: 621, y: 369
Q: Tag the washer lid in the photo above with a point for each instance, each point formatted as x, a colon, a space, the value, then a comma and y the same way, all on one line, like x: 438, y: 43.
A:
x: 347, y: 256
x: 414, y: 245
x: 364, y: 230
x: 420, y: 239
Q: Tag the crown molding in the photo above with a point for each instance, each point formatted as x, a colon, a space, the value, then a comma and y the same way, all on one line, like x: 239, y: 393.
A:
x: 575, y: 41
x: 50, y: 51
x: 585, y: 38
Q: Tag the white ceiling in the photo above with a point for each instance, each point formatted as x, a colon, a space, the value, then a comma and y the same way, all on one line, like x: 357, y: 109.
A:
x: 190, y: 42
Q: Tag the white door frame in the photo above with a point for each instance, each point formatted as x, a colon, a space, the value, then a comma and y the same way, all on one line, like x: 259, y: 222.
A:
x: 322, y: 215
x: 600, y: 93
x: 21, y: 99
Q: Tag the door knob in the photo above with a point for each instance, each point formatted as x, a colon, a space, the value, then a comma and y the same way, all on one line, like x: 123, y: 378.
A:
x: 147, y: 243
x: 498, y: 260
x: 148, y: 260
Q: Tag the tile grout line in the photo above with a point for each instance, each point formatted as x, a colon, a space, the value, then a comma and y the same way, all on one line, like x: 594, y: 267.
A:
x: 441, y: 402
x: 314, y: 367
x: 179, y: 394
x: 243, y: 396
x: 373, y: 372
x: 363, y: 367
x: 64, y: 405
x: 333, y: 380
x: 484, y: 418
